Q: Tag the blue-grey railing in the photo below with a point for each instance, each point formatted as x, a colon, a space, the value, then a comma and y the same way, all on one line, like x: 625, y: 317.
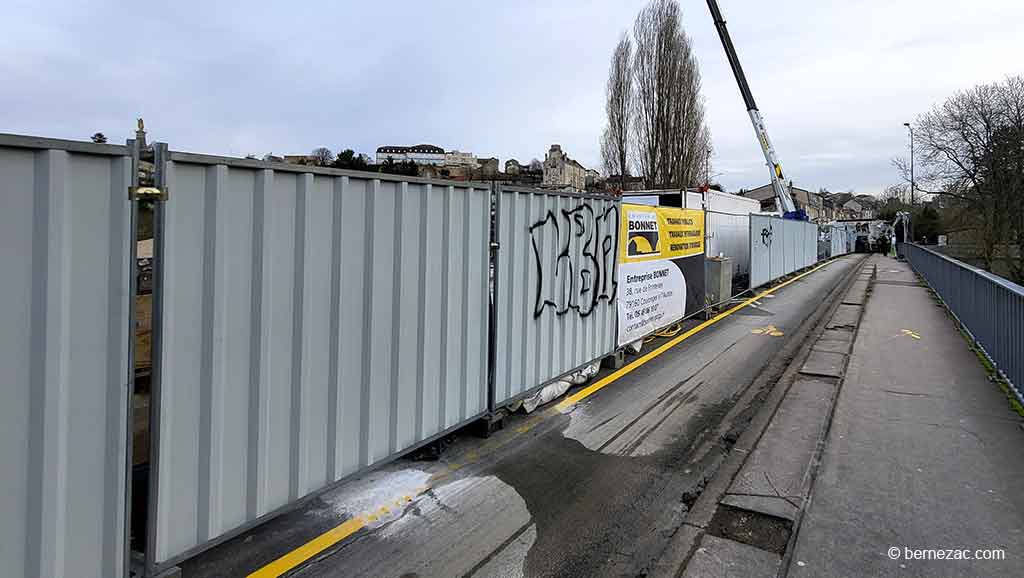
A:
x: 989, y: 307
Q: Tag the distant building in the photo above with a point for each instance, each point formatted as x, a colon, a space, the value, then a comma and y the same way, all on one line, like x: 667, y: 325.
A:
x: 299, y: 159
x: 809, y: 201
x: 868, y: 204
x: 526, y: 174
x: 561, y: 172
x: 630, y: 183
x: 488, y: 167
x: 855, y: 210
x: 592, y: 178
x: 421, y: 154
x: 458, y: 158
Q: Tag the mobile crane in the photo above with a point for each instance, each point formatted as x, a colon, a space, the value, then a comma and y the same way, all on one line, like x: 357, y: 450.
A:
x: 789, y: 209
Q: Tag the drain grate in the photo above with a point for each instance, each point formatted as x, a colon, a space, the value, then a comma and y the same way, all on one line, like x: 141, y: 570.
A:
x: 755, y: 529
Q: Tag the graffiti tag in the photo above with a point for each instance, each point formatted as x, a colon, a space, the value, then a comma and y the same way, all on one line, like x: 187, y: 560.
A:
x: 766, y: 235
x: 581, y: 272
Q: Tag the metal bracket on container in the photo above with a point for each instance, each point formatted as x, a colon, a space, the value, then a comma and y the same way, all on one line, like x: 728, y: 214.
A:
x: 155, y: 193
x: 145, y: 165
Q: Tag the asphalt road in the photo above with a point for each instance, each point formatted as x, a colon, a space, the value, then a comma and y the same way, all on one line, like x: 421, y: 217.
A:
x: 593, y: 492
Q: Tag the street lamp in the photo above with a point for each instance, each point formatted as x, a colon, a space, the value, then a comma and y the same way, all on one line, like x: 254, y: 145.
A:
x: 911, y: 129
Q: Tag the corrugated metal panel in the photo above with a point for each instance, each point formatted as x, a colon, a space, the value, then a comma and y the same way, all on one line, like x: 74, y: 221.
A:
x: 64, y: 319
x: 727, y: 235
x: 840, y: 240
x: 812, y: 244
x: 779, y: 247
x: 792, y: 233
x: 555, y: 286
x: 808, y: 244
x: 761, y: 240
x: 314, y: 323
x: 728, y: 227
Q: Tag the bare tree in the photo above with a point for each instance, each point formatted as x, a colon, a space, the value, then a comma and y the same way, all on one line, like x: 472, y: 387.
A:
x: 619, y: 110
x: 609, y: 160
x: 670, y: 135
x: 896, y: 194
x: 971, y: 150
x: 322, y: 156
x: 1010, y: 150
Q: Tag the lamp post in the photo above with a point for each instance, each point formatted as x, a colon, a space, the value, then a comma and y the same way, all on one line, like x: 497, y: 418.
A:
x: 911, y: 129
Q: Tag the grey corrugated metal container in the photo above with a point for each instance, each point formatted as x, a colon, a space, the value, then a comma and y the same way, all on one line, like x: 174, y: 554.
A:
x: 64, y: 329
x: 314, y: 323
x: 547, y: 323
x: 728, y: 229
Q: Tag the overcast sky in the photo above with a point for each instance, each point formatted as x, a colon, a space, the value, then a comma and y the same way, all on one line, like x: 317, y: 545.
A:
x: 834, y: 80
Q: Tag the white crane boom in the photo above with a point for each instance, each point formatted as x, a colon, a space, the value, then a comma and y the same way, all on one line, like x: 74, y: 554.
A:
x: 786, y: 203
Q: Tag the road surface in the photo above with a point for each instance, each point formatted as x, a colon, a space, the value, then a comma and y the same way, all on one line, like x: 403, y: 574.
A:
x: 596, y: 491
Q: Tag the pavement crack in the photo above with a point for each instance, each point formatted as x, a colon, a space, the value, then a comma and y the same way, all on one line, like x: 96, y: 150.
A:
x: 441, y: 505
x: 943, y: 426
x: 490, y: 556
x: 603, y: 423
x: 788, y: 499
x: 908, y: 393
x: 776, y: 490
x: 661, y: 398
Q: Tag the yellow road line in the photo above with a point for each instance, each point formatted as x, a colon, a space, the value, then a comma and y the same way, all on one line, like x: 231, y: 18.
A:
x: 331, y: 537
x: 612, y: 377
x: 310, y: 549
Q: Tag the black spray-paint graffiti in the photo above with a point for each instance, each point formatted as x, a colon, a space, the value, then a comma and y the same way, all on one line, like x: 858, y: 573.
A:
x: 766, y: 235
x: 581, y: 273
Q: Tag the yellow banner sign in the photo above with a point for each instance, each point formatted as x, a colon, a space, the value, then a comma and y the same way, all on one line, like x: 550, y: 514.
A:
x: 651, y: 233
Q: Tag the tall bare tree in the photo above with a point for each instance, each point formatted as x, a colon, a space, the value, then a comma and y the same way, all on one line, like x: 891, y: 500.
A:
x: 619, y: 110
x: 671, y: 138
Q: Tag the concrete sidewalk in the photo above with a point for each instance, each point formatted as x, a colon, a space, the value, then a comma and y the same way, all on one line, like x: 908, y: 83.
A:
x: 923, y: 451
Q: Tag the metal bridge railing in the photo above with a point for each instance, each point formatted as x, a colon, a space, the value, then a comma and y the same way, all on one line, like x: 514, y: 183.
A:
x: 990, y: 308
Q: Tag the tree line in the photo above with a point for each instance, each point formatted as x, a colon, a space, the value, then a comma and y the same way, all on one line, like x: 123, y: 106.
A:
x: 348, y: 159
x: 655, y: 112
x: 969, y: 152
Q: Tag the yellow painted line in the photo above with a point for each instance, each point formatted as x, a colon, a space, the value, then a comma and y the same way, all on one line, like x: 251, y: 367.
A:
x: 331, y: 537
x: 310, y: 549
x: 613, y: 377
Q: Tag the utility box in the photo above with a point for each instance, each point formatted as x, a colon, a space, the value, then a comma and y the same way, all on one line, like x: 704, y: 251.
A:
x: 718, y: 279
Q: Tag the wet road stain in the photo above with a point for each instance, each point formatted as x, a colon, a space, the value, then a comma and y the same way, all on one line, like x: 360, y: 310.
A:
x: 600, y: 514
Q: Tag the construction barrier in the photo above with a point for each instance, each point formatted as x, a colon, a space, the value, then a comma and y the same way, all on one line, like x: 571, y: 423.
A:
x: 555, y: 286
x: 779, y: 247
x: 308, y: 324
x: 66, y: 256
x: 311, y: 324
